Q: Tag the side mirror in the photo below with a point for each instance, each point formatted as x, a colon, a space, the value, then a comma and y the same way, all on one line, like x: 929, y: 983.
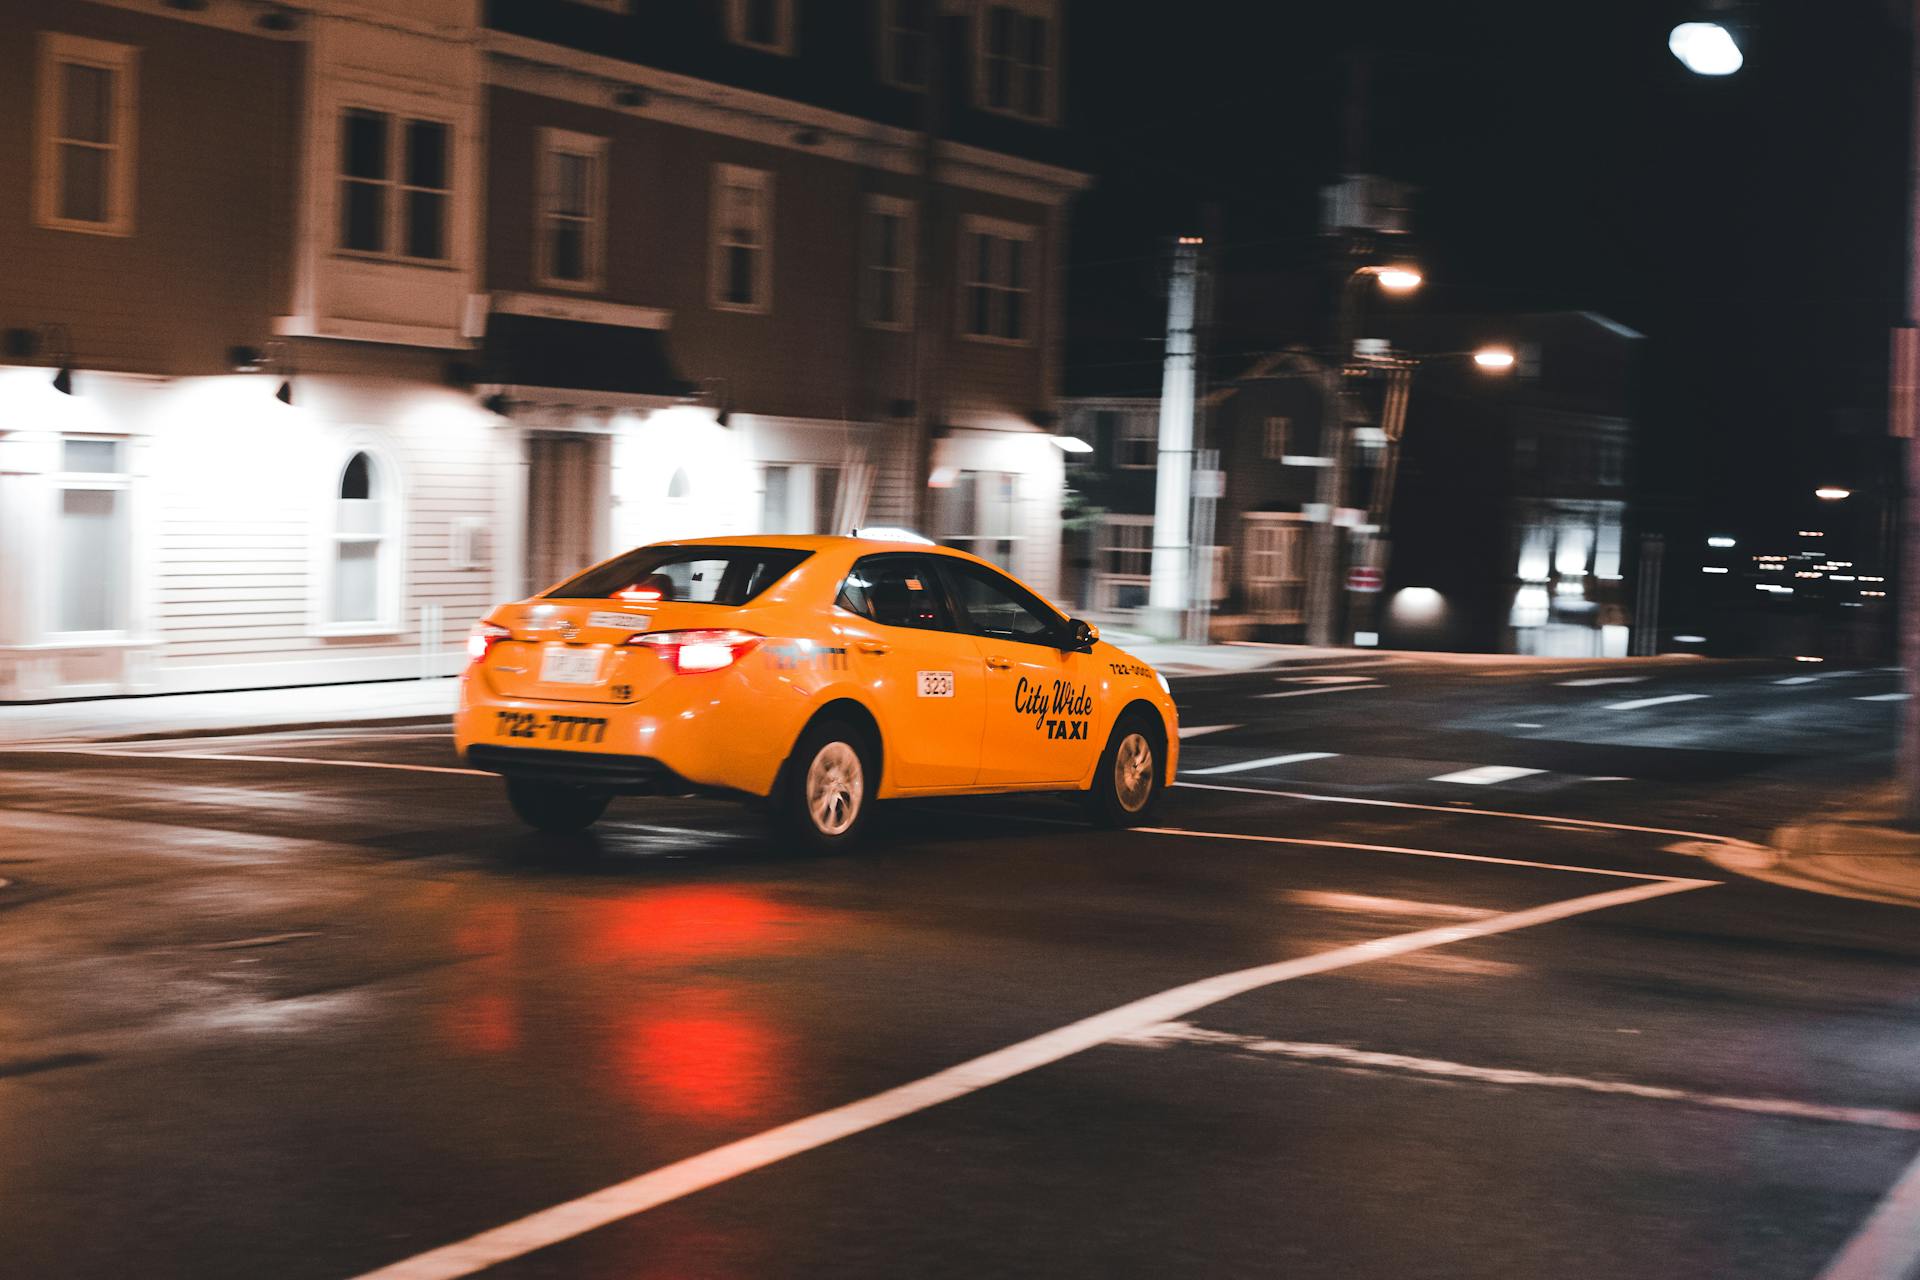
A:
x: 1081, y: 635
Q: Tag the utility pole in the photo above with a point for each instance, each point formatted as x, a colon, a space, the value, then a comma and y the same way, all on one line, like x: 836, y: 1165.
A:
x: 1170, y: 591
x: 931, y: 266
x: 1902, y: 402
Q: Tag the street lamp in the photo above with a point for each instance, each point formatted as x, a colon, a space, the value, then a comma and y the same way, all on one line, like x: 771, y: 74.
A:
x: 1706, y: 49
x: 1494, y: 359
x: 1396, y: 279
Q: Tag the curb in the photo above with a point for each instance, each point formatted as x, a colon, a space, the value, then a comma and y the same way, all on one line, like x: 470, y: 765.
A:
x: 397, y: 720
x: 1856, y: 851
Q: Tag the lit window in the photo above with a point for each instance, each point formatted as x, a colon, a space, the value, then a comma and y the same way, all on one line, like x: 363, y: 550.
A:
x: 394, y: 185
x: 363, y: 554
x: 1014, y: 61
x: 906, y: 37
x: 92, y: 541
x: 86, y: 135
x: 889, y: 273
x: 1000, y: 269
x: 1277, y: 438
x: 766, y: 25
x: 742, y: 238
x: 573, y: 187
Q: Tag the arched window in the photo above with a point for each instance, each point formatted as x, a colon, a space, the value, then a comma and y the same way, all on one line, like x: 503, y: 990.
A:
x: 680, y: 486
x: 361, y: 539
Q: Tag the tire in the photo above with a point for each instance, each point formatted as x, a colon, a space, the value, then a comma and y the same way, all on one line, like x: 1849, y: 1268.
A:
x: 827, y: 791
x: 556, y: 808
x: 1128, y: 782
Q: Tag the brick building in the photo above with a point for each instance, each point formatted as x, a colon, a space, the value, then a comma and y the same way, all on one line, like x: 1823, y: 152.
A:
x: 368, y: 315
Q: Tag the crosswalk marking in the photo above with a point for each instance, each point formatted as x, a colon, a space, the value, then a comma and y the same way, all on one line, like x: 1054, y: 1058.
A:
x: 1244, y: 765
x: 1637, y: 703
x: 1797, y: 680
x: 1308, y: 693
x: 1883, y: 697
x: 1487, y: 774
x: 1196, y: 730
x: 1325, y: 679
x: 1583, y: 684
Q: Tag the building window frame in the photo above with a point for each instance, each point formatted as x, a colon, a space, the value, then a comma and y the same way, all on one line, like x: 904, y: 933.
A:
x: 118, y: 481
x: 887, y: 291
x: 1278, y: 428
x: 1009, y: 81
x: 896, y: 37
x: 740, y: 177
x: 398, y: 189
x: 59, y: 51
x: 1130, y: 431
x: 997, y: 288
x: 740, y: 27
x: 386, y: 487
x: 556, y: 144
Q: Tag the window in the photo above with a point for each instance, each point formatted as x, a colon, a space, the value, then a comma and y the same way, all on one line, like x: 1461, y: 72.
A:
x: 695, y: 574
x: 766, y: 25
x: 995, y: 605
x: 888, y: 277
x: 742, y: 239
x: 85, y: 131
x: 360, y: 542
x: 92, y: 543
x: 976, y: 513
x: 896, y: 591
x: 906, y: 40
x: 998, y: 258
x: 573, y: 187
x: 1137, y: 445
x: 394, y: 185
x: 799, y: 498
x: 1125, y: 562
x: 1012, y: 69
x: 1277, y: 438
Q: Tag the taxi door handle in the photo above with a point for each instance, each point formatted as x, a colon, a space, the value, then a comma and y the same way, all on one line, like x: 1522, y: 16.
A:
x: 874, y: 646
x: 999, y: 664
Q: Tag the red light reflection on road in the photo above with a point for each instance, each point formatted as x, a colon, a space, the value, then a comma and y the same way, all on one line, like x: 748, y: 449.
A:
x: 676, y: 925
x: 487, y: 1022
x: 699, y: 1053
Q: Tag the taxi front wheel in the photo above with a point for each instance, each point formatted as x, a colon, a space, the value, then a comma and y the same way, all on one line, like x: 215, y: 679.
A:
x: 1126, y: 786
x: 828, y: 788
x: 554, y: 807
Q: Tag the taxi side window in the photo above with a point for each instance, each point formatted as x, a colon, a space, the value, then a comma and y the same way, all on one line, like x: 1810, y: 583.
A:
x: 995, y: 605
x: 896, y: 591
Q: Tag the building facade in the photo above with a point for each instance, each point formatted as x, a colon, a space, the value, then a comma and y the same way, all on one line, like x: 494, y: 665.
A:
x: 366, y: 316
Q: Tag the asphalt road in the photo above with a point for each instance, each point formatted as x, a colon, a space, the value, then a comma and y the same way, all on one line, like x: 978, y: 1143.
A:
x: 1427, y: 973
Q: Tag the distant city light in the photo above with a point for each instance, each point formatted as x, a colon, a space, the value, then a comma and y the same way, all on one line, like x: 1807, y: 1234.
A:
x: 1071, y: 444
x: 1842, y: 577
x: 1494, y: 358
x: 1813, y: 533
x: 1712, y: 568
x: 1875, y: 594
x: 1366, y: 639
x: 1398, y: 279
x: 1720, y: 540
x: 1705, y: 48
x: 1689, y: 639
x: 1801, y: 657
x: 1832, y: 493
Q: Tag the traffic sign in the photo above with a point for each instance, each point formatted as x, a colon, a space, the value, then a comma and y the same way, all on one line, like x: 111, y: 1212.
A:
x: 1364, y: 577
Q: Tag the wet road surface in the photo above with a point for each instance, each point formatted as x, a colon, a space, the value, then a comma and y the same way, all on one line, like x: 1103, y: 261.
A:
x: 1471, y: 1001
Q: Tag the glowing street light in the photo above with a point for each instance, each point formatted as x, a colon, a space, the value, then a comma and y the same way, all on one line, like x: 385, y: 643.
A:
x: 1397, y: 279
x: 1705, y: 48
x: 1721, y: 540
x: 1498, y: 359
x: 1832, y: 493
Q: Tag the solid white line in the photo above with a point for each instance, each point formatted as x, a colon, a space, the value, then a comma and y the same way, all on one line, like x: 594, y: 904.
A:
x: 1462, y: 810
x: 1487, y: 774
x: 1598, y: 680
x: 212, y: 755
x: 1887, y: 1246
x: 1884, y: 697
x: 648, y: 1190
x: 1245, y: 765
x: 1195, y: 731
x: 1187, y: 1033
x: 1798, y: 680
x: 1366, y: 904
x: 1638, y: 703
x: 1414, y: 853
x: 1324, y: 679
x: 1308, y: 693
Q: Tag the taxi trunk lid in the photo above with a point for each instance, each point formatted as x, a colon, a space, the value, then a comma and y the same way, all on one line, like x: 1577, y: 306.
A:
x: 576, y: 650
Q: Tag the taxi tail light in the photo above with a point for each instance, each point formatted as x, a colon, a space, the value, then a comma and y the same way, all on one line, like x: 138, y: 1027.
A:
x: 700, y: 650
x: 482, y: 638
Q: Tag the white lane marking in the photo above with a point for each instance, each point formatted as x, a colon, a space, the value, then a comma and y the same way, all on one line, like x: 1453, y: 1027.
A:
x: 1887, y: 1245
x: 1366, y: 904
x: 1264, y: 762
x: 1412, y: 853
x: 671, y: 1182
x: 1883, y: 697
x: 1324, y: 679
x: 1466, y: 810
x: 214, y: 755
x: 1487, y: 774
x: 1797, y: 680
x: 1599, y: 680
x: 1186, y: 1033
x: 1527, y: 724
x: 1195, y: 731
x: 1638, y: 703
x: 1308, y: 693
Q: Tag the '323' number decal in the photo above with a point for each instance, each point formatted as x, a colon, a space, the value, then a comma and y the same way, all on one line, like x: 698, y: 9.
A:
x: 936, y: 684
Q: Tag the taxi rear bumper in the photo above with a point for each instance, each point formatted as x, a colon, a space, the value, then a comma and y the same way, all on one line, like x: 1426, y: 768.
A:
x: 603, y: 771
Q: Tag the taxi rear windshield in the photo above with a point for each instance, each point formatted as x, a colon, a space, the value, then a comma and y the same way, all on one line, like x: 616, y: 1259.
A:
x: 690, y: 575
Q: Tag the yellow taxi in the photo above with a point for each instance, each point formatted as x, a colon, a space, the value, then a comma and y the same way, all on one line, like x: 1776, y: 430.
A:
x: 815, y: 674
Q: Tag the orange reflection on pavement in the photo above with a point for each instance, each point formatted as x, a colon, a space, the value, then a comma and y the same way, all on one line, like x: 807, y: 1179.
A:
x: 699, y: 1053
x: 674, y: 925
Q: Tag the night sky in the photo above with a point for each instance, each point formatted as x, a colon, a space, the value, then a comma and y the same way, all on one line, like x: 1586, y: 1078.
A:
x: 1752, y: 227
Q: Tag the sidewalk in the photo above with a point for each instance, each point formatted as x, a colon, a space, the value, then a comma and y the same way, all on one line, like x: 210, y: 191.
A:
x: 1863, y: 849
x: 1177, y: 659
x: 182, y: 714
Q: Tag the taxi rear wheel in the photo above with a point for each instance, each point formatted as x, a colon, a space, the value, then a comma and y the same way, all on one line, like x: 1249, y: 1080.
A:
x: 554, y: 807
x: 1126, y: 786
x: 829, y: 786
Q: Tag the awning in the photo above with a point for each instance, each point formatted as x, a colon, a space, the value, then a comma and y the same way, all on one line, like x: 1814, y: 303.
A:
x: 538, y: 351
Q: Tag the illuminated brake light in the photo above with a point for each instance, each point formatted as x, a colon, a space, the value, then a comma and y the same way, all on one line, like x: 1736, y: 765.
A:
x: 702, y: 650
x: 482, y: 638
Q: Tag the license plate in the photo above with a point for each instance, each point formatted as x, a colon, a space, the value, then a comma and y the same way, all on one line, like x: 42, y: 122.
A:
x: 560, y: 665
x: 539, y: 727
